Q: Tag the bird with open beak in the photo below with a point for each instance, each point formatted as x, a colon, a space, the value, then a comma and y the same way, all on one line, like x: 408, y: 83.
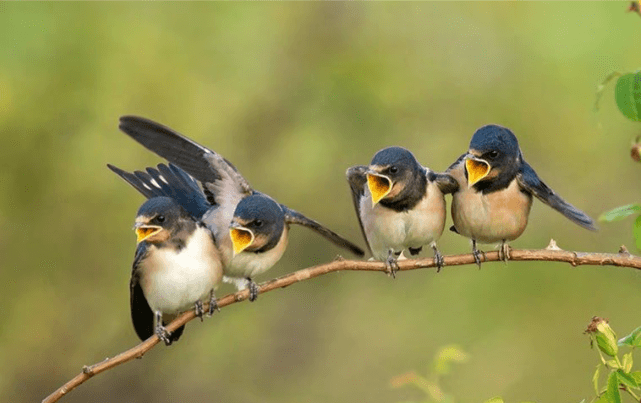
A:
x: 177, y: 266
x: 399, y: 204
x: 495, y: 188
x: 251, y: 228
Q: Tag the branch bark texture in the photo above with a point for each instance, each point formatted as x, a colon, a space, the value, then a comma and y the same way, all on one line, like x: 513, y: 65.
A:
x: 550, y: 254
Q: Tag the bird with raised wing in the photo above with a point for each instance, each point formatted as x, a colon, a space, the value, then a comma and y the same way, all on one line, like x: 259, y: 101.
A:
x: 495, y: 188
x: 251, y: 228
x: 400, y: 205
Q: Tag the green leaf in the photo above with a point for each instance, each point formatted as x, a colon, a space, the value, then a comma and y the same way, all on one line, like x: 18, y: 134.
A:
x: 637, y: 376
x: 612, y: 393
x: 602, y: 399
x: 633, y: 339
x: 627, y: 379
x: 446, y: 356
x: 637, y: 232
x: 495, y: 399
x: 627, y: 93
x: 626, y: 363
x: 595, y: 379
x: 612, y: 364
x: 620, y: 213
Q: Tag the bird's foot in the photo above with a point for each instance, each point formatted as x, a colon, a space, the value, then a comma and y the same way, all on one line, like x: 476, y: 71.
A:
x: 213, y: 304
x: 163, y: 334
x: 438, y: 259
x: 505, y: 252
x: 391, y: 264
x: 477, y: 254
x: 199, y: 310
x: 253, y: 289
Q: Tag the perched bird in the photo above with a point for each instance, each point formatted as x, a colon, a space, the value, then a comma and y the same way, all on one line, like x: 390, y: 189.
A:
x: 399, y: 205
x: 251, y: 229
x: 494, y: 196
x: 176, y: 266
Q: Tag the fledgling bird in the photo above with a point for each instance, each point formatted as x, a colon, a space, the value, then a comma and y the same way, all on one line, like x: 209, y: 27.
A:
x: 176, y: 266
x: 494, y: 196
x: 251, y: 228
x: 399, y: 204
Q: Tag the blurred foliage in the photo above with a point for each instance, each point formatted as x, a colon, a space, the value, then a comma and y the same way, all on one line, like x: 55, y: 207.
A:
x: 430, y: 385
x: 293, y: 94
x: 627, y: 93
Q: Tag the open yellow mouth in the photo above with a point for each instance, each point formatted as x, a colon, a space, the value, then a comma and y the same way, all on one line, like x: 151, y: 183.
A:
x: 476, y: 170
x: 241, y: 239
x: 145, y: 231
x: 379, y: 186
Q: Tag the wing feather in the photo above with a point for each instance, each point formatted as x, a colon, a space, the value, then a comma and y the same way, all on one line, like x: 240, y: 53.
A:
x: 530, y: 182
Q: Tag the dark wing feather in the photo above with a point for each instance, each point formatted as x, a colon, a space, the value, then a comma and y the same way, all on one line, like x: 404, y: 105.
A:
x: 141, y: 314
x: 446, y: 182
x: 294, y: 217
x: 357, y: 180
x: 530, y: 182
x: 169, y: 181
x: 215, y: 172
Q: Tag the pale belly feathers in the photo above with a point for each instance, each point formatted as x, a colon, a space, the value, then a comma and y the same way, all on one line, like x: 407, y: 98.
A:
x: 388, y: 229
x: 181, y: 279
x: 491, y: 218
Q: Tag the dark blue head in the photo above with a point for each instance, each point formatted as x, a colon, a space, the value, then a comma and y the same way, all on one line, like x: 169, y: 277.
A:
x: 494, y: 138
x: 398, y: 157
x: 257, y: 225
x: 393, y: 172
x: 158, y: 218
x: 493, y: 159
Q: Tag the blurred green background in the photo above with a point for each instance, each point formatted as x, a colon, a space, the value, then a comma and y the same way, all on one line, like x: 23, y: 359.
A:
x: 294, y: 94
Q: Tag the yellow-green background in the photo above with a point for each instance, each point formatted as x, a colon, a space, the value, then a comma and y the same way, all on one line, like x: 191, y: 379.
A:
x: 294, y: 94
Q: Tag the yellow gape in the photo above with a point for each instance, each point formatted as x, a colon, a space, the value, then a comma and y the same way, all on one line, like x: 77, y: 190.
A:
x: 241, y: 238
x: 379, y: 186
x: 476, y: 170
x: 145, y: 231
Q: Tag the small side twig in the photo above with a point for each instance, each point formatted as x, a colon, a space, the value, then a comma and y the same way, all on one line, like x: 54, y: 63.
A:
x: 550, y: 254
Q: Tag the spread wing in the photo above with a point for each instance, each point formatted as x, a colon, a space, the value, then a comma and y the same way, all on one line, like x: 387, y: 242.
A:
x: 357, y: 180
x: 529, y: 181
x: 457, y: 171
x: 169, y: 181
x: 445, y: 182
x: 221, y: 180
x: 141, y: 314
x: 294, y: 217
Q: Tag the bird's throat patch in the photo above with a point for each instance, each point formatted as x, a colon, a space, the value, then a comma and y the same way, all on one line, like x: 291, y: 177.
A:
x: 241, y: 239
x: 379, y: 186
x: 476, y: 170
x: 145, y: 231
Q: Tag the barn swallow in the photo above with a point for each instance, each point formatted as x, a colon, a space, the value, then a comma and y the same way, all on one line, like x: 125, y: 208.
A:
x: 176, y: 266
x: 495, y: 188
x: 399, y: 204
x: 250, y: 227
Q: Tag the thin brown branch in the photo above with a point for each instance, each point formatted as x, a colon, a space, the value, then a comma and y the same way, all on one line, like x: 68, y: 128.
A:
x: 551, y: 254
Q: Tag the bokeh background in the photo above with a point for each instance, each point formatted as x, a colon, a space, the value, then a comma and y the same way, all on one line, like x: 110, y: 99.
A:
x: 294, y: 94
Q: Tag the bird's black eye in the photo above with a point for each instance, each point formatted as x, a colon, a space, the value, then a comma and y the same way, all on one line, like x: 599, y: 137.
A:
x: 160, y: 218
x: 258, y: 223
x: 493, y: 154
x: 393, y: 169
